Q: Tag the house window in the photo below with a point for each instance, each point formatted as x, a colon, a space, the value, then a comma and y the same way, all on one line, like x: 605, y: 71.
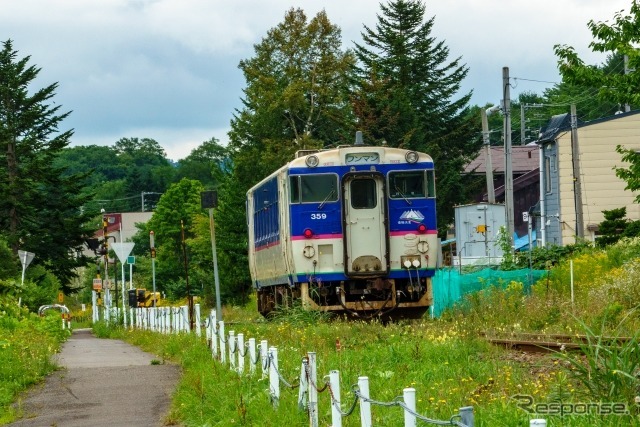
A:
x: 547, y: 174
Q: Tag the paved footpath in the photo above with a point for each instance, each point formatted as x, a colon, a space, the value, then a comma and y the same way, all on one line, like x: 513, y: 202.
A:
x: 103, y: 382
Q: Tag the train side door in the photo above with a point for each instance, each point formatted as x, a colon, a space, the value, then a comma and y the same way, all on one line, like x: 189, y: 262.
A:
x: 365, y: 238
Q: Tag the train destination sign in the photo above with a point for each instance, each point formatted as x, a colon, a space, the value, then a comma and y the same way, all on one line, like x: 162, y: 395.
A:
x: 362, y: 159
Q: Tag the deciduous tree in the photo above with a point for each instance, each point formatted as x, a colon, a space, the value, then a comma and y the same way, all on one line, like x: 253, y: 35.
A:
x: 618, y: 37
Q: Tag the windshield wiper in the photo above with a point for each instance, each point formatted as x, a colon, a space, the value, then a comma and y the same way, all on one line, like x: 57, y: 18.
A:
x: 321, y: 205
x: 403, y: 196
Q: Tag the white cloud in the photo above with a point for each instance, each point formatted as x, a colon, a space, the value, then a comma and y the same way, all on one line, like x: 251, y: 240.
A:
x: 126, y: 67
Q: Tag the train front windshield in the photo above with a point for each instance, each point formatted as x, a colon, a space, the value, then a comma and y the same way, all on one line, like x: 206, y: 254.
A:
x: 314, y: 188
x: 411, y: 184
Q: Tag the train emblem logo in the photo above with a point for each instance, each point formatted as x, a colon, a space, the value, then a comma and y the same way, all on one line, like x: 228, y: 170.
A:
x: 410, y: 216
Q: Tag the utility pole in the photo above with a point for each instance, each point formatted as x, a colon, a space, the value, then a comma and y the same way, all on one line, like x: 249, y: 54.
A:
x: 209, y: 200
x: 491, y: 194
x: 523, y: 136
x: 186, y: 273
x: 508, y: 172
x: 627, y: 108
x: 577, y: 184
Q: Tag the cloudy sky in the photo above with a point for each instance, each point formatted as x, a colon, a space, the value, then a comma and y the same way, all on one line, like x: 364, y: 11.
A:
x: 167, y: 69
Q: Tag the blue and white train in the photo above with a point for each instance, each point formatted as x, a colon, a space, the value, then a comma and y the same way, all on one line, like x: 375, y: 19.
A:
x: 348, y: 230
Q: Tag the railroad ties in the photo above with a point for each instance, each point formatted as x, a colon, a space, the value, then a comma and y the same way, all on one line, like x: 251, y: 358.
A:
x: 550, y: 343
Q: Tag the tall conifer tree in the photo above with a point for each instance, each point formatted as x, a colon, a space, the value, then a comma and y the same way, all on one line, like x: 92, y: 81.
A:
x: 406, y: 94
x: 40, y: 209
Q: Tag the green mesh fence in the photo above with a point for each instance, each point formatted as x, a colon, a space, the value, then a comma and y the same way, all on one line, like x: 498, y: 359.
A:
x: 450, y: 285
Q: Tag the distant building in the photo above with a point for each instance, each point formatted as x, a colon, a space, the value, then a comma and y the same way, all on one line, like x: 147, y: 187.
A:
x: 525, y: 161
x: 121, y: 227
x: 596, y: 158
x: 477, y: 229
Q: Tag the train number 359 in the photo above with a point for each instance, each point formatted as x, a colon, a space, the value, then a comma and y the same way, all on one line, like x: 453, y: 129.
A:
x: 318, y: 216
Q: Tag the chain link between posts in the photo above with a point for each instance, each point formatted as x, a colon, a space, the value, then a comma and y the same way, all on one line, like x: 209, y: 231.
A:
x: 308, y: 375
x: 269, y: 361
x: 336, y: 404
x: 398, y: 402
x: 282, y: 379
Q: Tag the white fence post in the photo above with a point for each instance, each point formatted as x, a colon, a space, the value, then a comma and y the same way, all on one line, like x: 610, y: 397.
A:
x: 334, y: 391
x: 539, y: 422
x: 252, y: 356
x: 466, y: 417
x: 223, y: 347
x: 153, y: 317
x: 131, y: 322
x: 174, y: 320
x: 232, y: 349
x: 365, y: 405
x: 410, y: 401
x: 303, y: 389
x: 313, y: 390
x: 213, y: 326
x: 207, y: 330
x: 241, y: 355
x: 264, y: 355
x: 274, y: 381
x: 185, y: 319
x: 196, y: 309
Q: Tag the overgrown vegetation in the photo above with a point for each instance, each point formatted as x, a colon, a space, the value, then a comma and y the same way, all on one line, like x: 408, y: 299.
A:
x: 445, y: 359
x: 26, y: 345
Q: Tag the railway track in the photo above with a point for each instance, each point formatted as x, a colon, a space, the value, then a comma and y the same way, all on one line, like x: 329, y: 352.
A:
x: 548, y: 343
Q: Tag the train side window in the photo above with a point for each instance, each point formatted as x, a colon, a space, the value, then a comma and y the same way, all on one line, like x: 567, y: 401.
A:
x: 318, y: 188
x: 431, y: 184
x: 408, y: 185
x: 294, y: 189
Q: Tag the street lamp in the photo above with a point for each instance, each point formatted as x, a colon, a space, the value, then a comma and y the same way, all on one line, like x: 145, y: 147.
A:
x: 209, y: 200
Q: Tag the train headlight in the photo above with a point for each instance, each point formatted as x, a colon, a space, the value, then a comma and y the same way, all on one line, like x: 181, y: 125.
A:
x: 407, y: 264
x: 416, y: 263
x: 411, y: 157
x: 312, y: 161
x: 308, y: 233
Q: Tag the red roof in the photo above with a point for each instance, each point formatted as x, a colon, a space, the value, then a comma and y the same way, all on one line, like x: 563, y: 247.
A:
x: 524, y: 158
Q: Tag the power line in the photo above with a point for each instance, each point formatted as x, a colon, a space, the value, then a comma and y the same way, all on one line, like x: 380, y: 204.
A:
x: 533, y: 80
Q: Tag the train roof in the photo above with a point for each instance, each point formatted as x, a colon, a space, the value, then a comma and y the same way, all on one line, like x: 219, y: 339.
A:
x: 356, y: 154
x: 350, y: 155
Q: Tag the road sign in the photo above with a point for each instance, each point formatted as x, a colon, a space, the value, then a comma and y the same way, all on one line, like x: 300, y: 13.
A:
x: 97, y: 284
x: 122, y: 250
x: 60, y: 297
x: 131, y: 259
x: 25, y: 258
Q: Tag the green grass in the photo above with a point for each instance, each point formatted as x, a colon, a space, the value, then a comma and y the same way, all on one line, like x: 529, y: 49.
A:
x: 26, y: 345
x: 445, y: 360
x: 448, y: 368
